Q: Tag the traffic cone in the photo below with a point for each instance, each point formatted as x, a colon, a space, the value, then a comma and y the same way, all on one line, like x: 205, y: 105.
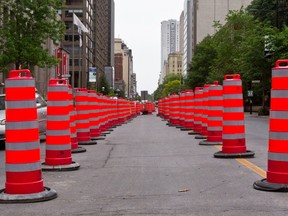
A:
x: 75, y: 148
x: 24, y: 181
x: 58, y: 136
x: 234, y: 143
x: 277, y: 173
x: 198, y: 102
x: 188, y: 110
x: 82, y: 117
x: 215, y: 115
x: 204, y: 116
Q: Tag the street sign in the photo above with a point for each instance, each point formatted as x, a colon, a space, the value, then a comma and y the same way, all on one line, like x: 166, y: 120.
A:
x: 255, y: 81
x: 92, y: 74
x: 250, y: 93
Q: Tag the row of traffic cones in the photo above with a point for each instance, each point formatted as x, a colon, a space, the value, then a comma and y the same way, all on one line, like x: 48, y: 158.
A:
x: 72, y: 120
x: 216, y: 113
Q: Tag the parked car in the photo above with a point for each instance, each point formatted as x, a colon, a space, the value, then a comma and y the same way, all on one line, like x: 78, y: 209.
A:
x: 41, y: 112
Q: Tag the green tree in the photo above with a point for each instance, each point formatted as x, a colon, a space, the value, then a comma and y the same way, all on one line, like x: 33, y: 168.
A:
x: 204, y: 56
x: 26, y: 25
x: 171, y: 87
x: 103, y: 85
x: 272, y: 12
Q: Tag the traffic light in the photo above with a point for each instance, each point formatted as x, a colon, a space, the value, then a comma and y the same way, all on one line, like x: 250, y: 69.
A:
x: 249, y: 85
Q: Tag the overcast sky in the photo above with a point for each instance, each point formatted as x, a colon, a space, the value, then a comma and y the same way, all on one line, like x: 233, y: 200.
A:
x: 138, y: 23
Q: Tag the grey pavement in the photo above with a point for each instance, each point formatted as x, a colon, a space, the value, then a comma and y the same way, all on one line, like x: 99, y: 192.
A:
x: 147, y: 168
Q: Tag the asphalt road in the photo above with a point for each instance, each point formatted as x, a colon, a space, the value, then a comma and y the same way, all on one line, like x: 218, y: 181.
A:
x: 147, y: 168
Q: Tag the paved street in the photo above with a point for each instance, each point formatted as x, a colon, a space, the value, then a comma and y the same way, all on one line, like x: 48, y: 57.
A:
x: 147, y: 168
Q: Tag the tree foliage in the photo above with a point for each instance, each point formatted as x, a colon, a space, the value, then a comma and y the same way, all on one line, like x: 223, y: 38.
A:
x: 26, y: 25
x: 173, y: 83
x: 272, y: 12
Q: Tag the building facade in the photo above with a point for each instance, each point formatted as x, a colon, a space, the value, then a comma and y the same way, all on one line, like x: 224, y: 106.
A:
x: 209, y: 11
x: 189, y: 32
x: 92, y: 49
x: 125, y: 79
x: 175, y: 63
x: 170, y: 42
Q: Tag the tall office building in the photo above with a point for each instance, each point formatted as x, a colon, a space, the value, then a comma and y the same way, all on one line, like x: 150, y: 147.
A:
x: 170, y: 42
x: 189, y: 32
x: 209, y: 11
x: 97, y: 48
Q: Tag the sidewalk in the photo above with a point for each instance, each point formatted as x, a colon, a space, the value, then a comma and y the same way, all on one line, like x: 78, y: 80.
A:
x: 147, y: 168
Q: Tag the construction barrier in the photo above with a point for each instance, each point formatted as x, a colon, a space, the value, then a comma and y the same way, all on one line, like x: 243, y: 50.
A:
x: 215, y: 115
x: 58, y: 139
x: 198, y: 102
x: 204, y: 116
x: 75, y: 148
x: 188, y: 110
x: 82, y: 117
x: 24, y: 181
x: 234, y: 143
x: 277, y: 173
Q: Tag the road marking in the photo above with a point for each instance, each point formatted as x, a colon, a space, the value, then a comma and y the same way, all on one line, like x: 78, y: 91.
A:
x: 248, y: 164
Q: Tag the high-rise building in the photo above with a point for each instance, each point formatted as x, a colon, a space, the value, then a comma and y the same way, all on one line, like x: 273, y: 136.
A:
x: 92, y: 49
x: 209, y: 11
x: 189, y: 33
x: 124, y: 78
x: 170, y: 42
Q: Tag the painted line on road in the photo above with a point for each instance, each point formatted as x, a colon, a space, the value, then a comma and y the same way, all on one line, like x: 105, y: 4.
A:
x: 248, y: 164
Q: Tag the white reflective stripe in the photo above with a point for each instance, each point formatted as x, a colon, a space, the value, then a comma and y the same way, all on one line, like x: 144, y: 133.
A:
x: 279, y: 115
x: 232, y: 83
x: 52, y: 103
x: 22, y: 145
x: 94, y: 127
x: 189, y: 101
x: 233, y: 136
x: 279, y: 94
x: 215, y: 98
x: 197, y: 115
x: 27, y: 167
x: 215, y: 118
x: 215, y: 88
x: 85, y: 130
x: 204, y: 125
x: 19, y: 83
x: 82, y: 112
x: 21, y: 104
x: 232, y: 96
x: 63, y: 88
x: 233, y: 123
x: 278, y: 135
x: 198, y: 100
x: 22, y: 125
x: 84, y: 121
x: 279, y: 73
x: 64, y: 146
x: 58, y: 117
x: 197, y: 122
x: 278, y: 156
x: 209, y: 128
x: 81, y: 94
x: 57, y: 132
x: 215, y: 108
x: 81, y: 103
x: 234, y: 109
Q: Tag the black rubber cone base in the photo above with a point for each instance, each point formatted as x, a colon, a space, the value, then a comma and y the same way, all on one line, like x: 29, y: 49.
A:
x: 205, y: 142
x: 193, y: 133
x: 109, y: 130
x: 247, y: 154
x: 264, y: 185
x: 47, y: 194
x: 69, y: 167
x: 98, y: 138
x: 105, y: 133
x: 90, y: 142
x: 78, y: 150
x: 186, y: 129
x: 179, y: 127
x: 200, y: 137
